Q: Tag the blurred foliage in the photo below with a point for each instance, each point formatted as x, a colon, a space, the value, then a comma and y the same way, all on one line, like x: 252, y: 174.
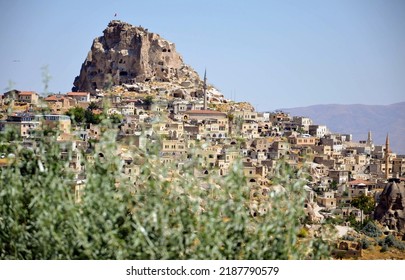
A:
x: 365, y: 203
x: 80, y: 115
x: 164, y: 213
x: 76, y: 114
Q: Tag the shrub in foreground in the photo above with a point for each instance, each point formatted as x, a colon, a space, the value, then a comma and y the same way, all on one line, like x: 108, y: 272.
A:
x: 166, y: 213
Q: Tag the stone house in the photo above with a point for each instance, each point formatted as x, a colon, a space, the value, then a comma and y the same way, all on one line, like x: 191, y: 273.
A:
x: 61, y: 122
x: 175, y: 130
x: 302, y: 140
x: 178, y: 106
x: 279, y: 149
x: 279, y: 118
x: 327, y: 199
x: 215, y: 129
x: 318, y: 130
x: 323, y: 150
x: 159, y: 106
x: 93, y: 131
x: 130, y: 125
x: 358, y: 190
x: 359, y: 187
x: 264, y: 128
x: 30, y: 97
x: 398, y: 167
x: 130, y: 170
x: 79, y: 96
x: 325, y: 160
x: 339, y: 176
x: 347, y: 211
x: 11, y: 95
x: 347, y: 249
x: 193, y: 131
x: 250, y: 129
x: 249, y: 170
x: 260, y: 144
x: 59, y: 103
x: 302, y: 123
x: 246, y: 115
x: 72, y: 151
x: 24, y: 124
x: 173, y: 147
x: 226, y: 157
x: 127, y: 108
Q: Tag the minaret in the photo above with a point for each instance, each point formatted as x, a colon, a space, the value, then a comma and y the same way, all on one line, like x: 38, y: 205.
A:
x: 205, y: 90
x: 369, y: 139
x: 387, y: 156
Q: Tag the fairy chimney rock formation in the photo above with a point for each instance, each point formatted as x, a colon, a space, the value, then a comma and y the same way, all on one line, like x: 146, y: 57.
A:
x: 126, y: 54
x: 390, y: 211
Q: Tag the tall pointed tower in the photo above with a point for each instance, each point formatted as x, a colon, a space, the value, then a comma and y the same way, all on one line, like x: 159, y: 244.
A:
x: 205, y: 90
x: 387, y: 156
x: 369, y: 138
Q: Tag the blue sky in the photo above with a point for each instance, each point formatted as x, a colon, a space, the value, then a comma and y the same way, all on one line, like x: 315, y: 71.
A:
x: 274, y: 54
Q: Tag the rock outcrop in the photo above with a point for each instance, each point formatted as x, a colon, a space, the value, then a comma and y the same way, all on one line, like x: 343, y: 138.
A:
x: 126, y: 54
x: 390, y: 211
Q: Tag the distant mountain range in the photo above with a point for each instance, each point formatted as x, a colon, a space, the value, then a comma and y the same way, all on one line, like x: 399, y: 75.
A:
x: 358, y: 119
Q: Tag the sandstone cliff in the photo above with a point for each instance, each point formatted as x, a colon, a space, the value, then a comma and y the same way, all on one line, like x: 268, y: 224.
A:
x: 390, y: 211
x: 126, y: 54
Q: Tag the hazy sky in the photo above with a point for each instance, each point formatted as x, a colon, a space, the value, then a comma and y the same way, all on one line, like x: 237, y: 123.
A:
x: 274, y: 54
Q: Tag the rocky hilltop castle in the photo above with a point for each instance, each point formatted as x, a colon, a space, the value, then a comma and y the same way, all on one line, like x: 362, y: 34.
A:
x: 126, y: 54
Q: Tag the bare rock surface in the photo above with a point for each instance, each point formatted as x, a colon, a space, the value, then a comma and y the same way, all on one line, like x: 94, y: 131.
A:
x: 390, y: 211
x: 127, y: 54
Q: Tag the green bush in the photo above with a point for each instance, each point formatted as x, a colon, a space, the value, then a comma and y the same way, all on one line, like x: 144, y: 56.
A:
x: 371, y: 229
x: 391, y: 241
x: 165, y: 214
x: 384, y: 248
x: 365, y: 243
x: 349, y: 238
x: 365, y: 203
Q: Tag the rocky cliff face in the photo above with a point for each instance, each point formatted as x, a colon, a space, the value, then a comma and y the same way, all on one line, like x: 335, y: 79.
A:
x: 126, y: 54
x: 390, y: 211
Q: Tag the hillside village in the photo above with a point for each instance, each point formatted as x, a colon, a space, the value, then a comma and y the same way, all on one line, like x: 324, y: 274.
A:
x: 182, y: 112
x: 341, y: 170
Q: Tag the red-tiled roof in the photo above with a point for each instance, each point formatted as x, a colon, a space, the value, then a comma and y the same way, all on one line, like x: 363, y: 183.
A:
x: 77, y: 93
x: 53, y: 98
x: 358, y: 182
x: 27, y: 93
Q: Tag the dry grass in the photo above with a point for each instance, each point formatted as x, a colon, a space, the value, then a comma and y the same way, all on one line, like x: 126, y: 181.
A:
x: 374, y: 253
